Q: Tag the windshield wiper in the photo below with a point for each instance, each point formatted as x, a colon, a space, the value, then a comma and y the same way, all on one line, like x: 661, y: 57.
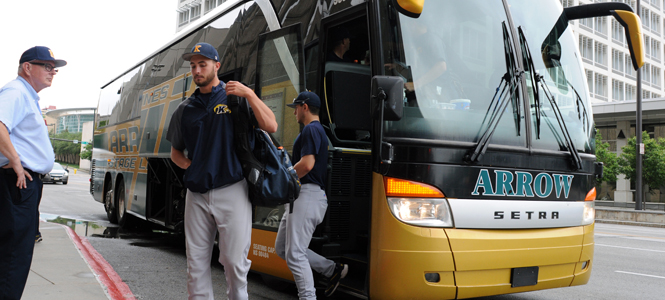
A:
x: 539, y: 79
x: 498, y: 105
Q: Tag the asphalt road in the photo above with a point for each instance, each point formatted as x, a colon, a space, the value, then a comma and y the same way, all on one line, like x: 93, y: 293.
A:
x: 629, y: 261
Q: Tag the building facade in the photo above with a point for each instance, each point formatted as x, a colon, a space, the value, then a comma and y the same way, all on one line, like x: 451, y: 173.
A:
x: 69, y: 119
x: 604, y: 50
x: 192, y: 10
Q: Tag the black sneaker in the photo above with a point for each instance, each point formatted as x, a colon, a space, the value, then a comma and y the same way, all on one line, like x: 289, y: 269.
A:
x: 38, y: 238
x: 340, y: 272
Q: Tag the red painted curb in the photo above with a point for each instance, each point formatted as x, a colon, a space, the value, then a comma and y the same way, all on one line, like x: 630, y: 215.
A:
x: 115, y: 287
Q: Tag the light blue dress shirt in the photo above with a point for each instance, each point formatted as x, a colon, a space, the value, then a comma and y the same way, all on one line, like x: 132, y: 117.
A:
x: 20, y: 113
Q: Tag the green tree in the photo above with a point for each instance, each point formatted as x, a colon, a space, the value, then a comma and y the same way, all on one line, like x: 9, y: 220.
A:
x: 87, y: 153
x: 653, y: 161
x: 66, y: 150
x: 610, y: 162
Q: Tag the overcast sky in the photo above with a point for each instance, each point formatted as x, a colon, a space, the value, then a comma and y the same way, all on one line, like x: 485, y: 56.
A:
x: 98, y: 39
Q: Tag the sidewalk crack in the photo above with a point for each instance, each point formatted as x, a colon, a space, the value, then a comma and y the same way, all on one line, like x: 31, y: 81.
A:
x: 33, y: 271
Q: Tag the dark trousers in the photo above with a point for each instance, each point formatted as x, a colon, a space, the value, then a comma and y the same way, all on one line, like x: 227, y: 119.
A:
x: 18, y: 219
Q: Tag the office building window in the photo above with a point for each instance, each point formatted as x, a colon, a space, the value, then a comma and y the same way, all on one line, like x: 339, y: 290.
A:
x: 219, y: 2
x: 601, y: 86
x: 655, y: 49
x: 646, y: 20
x: 209, y: 5
x: 617, y: 90
x: 645, y: 71
x: 617, y: 60
x: 655, y: 76
x: 655, y: 22
x: 647, y: 45
x: 195, y: 12
x: 586, y: 48
x: 629, y: 66
x: 600, y: 53
x: 600, y: 25
x: 617, y: 32
x: 183, y: 18
x: 567, y: 3
x: 631, y: 92
x: 646, y: 94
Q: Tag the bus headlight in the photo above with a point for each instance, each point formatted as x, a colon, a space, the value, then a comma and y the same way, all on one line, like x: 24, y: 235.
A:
x: 427, y: 212
x: 589, y: 213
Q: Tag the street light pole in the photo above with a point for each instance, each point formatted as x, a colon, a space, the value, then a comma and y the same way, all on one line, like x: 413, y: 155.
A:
x: 638, y: 134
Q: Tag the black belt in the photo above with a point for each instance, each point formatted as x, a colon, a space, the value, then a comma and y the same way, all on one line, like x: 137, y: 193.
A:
x: 10, y: 171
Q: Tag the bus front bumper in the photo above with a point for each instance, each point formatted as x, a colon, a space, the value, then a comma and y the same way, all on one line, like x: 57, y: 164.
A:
x: 476, y: 263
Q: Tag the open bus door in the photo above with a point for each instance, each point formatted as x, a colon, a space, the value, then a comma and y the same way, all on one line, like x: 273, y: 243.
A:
x: 280, y: 77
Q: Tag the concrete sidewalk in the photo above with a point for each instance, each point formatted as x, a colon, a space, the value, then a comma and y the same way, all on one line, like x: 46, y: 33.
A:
x: 65, y: 266
x: 625, y: 214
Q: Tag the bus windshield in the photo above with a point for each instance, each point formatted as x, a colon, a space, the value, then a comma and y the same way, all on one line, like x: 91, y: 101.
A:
x: 456, y: 59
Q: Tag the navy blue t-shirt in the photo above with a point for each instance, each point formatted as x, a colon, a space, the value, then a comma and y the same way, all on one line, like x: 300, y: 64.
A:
x: 312, y: 140
x: 203, y: 125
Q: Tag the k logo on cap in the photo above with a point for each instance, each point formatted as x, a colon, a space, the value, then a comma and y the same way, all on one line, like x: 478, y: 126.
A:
x: 203, y: 49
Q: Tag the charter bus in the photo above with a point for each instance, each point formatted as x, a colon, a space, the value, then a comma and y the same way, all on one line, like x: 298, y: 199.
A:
x: 461, y: 160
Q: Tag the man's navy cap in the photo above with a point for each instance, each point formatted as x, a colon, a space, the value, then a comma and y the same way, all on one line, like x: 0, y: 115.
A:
x: 41, y: 53
x: 203, y: 49
x: 308, y: 98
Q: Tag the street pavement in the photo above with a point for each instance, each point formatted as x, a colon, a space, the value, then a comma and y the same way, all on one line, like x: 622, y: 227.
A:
x: 66, y: 266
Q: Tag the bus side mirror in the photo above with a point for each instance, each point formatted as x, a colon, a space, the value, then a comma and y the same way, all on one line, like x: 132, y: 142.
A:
x: 411, y: 8
x: 622, y: 12
x: 387, y: 97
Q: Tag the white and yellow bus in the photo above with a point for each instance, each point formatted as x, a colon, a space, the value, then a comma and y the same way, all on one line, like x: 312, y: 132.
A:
x: 462, y: 140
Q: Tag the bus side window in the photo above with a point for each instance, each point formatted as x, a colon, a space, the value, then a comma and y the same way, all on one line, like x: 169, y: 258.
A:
x: 348, y: 75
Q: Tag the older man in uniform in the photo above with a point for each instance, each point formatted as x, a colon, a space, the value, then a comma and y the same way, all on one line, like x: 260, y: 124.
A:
x: 26, y: 155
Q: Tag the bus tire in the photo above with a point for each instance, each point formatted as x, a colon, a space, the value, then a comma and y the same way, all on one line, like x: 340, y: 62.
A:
x: 120, y: 202
x: 109, y: 203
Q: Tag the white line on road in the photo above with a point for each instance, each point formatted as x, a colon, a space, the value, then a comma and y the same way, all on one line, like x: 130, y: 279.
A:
x: 646, y: 275
x: 631, y: 248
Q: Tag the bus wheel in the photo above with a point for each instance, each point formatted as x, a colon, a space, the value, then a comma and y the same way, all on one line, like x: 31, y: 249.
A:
x: 109, y: 202
x: 120, y: 203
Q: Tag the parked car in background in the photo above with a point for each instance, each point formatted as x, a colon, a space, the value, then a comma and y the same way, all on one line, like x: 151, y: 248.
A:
x: 58, y: 174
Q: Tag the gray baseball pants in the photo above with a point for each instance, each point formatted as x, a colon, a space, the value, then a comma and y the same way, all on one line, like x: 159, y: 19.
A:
x: 295, y: 233
x: 226, y: 210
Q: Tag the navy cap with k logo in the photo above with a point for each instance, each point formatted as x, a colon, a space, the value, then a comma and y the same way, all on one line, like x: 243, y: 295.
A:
x: 203, y: 49
x: 41, y: 53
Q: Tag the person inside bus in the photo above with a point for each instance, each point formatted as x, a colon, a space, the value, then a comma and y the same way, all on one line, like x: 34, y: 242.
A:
x: 217, y: 198
x: 340, y: 39
x: 429, y: 62
x: 310, y: 152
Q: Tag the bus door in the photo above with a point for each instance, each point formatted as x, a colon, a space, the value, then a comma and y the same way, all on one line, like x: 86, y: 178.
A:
x: 344, y: 87
x: 280, y: 77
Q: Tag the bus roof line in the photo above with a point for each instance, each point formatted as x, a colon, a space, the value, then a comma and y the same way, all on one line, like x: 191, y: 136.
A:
x: 212, y: 16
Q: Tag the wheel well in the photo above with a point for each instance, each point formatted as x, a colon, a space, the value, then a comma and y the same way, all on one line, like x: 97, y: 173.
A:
x: 118, y: 180
x: 107, y: 182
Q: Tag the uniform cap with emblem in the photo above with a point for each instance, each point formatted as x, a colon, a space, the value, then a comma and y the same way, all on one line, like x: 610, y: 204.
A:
x: 203, y: 49
x: 41, y: 53
x: 308, y: 98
